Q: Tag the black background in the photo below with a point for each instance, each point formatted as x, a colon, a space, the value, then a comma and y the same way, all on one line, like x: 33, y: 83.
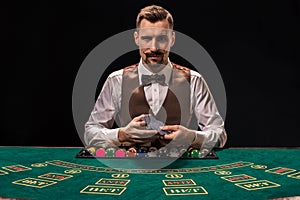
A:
x: 255, y: 45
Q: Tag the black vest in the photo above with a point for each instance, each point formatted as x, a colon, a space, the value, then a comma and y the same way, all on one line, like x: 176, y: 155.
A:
x: 176, y: 104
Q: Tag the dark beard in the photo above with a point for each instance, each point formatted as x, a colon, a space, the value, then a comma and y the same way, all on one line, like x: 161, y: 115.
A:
x: 155, y: 65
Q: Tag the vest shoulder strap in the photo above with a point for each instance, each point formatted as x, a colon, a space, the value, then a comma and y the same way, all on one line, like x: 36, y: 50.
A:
x: 130, y: 68
x: 183, y: 71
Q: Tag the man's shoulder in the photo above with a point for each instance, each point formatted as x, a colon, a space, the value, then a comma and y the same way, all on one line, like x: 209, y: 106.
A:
x: 186, y: 71
x: 120, y: 72
x: 130, y: 67
x: 181, y: 68
x: 195, y: 74
x: 116, y: 74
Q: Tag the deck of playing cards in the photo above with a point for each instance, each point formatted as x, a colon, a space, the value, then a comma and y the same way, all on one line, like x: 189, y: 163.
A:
x: 154, y: 124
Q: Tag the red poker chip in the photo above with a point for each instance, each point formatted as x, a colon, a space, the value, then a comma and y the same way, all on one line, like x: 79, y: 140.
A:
x: 120, y: 153
x: 100, y: 152
x: 131, y: 152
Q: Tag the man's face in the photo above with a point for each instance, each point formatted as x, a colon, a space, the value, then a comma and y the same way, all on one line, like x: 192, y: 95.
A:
x: 154, y: 41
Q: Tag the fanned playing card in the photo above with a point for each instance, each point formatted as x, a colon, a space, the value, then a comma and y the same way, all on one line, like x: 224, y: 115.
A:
x: 154, y: 124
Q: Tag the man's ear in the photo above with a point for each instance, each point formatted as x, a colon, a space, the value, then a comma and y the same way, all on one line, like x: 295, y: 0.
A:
x: 172, y: 39
x: 136, y: 38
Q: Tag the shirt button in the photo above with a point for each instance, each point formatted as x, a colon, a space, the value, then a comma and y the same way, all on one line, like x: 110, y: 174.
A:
x: 155, y: 90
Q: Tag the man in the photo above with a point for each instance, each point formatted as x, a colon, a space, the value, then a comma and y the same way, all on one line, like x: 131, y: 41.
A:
x: 173, y: 96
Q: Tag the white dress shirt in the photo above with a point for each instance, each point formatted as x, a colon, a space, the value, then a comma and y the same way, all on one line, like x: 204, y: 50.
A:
x: 99, y: 131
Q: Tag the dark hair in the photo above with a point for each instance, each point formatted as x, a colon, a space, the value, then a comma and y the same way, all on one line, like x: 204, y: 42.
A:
x: 154, y: 14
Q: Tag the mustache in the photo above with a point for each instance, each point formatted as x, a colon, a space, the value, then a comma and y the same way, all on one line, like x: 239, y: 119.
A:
x: 154, y: 54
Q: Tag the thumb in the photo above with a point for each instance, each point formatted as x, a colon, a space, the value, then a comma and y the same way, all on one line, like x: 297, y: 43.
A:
x: 169, y: 128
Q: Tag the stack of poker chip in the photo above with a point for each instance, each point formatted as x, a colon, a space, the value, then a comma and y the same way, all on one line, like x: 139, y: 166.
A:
x: 152, y: 152
x: 131, y: 152
x: 144, y: 152
x: 163, y: 152
x: 174, y: 153
x: 100, y: 152
x: 120, y: 153
x: 184, y: 153
x: 195, y: 153
x: 141, y: 152
x: 91, y: 151
x: 110, y: 152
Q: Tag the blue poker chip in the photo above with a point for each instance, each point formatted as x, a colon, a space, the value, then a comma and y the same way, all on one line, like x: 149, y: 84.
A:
x: 141, y: 152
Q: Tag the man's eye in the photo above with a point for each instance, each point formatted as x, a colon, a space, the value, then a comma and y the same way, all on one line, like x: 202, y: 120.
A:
x: 162, y: 38
x: 146, y: 38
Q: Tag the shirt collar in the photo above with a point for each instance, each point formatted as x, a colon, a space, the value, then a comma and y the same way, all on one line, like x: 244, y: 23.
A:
x: 167, y: 70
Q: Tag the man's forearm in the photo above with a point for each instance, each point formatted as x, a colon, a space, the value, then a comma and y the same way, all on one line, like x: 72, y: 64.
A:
x: 210, y: 138
x: 100, y: 136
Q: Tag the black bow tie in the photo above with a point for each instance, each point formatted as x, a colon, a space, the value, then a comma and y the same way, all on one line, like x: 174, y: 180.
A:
x: 154, y: 78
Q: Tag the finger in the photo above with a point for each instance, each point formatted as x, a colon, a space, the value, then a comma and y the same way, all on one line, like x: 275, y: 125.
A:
x: 170, y: 136
x: 169, y: 128
x: 140, y: 141
x: 139, y: 118
x: 143, y: 133
x: 152, y: 137
x: 140, y: 124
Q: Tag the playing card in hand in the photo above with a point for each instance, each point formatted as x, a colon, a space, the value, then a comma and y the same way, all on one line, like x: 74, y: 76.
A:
x: 154, y: 124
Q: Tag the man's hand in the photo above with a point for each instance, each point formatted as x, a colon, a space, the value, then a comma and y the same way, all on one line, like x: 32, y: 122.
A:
x: 136, y: 132
x: 180, y: 135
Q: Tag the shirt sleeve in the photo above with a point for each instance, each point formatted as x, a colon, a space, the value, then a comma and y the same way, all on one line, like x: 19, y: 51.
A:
x: 98, y: 128
x: 210, y: 122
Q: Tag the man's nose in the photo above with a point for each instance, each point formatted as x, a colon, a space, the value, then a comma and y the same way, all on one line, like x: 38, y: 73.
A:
x: 154, y: 45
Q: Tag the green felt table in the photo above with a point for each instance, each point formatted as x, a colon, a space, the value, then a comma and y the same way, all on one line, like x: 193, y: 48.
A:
x: 238, y: 173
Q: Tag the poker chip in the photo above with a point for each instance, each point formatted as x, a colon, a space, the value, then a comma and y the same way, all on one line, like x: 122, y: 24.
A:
x: 174, y: 153
x: 100, y: 152
x: 141, y: 152
x: 152, y: 152
x: 91, y: 150
x: 195, y: 153
x: 204, y: 152
x: 131, y: 152
x: 120, y: 153
x: 85, y: 153
x: 162, y: 152
x: 110, y: 152
x: 184, y: 153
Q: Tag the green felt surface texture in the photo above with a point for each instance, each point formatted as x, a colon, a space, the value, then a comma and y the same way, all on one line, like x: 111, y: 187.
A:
x: 150, y: 185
